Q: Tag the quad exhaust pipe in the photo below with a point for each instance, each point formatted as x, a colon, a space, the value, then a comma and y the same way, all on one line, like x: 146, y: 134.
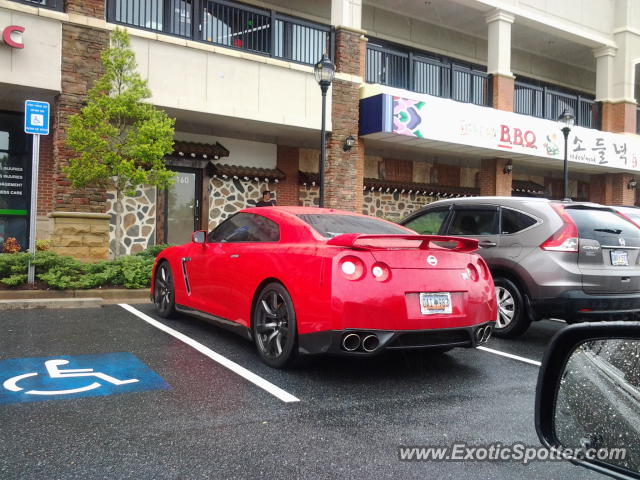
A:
x: 370, y: 343
x: 483, y: 334
x: 366, y: 342
x: 351, y: 342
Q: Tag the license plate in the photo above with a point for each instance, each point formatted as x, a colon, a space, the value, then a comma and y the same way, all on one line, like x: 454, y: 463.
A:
x: 435, y: 303
x: 619, y: 258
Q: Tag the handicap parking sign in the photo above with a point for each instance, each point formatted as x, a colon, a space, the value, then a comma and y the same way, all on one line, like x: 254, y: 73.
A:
x: 65, y: 377
x: 36, y: 117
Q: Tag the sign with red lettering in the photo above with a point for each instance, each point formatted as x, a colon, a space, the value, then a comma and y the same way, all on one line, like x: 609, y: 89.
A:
x: 12, y: 36
x: 428, y: 119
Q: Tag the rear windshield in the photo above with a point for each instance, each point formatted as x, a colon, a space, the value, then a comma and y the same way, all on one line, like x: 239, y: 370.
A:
x: 331, y: 225
x: 594, y: 224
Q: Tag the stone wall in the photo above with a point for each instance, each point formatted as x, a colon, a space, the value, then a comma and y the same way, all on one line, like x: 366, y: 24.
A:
x: 138, y: 225
x: 228, y: 196
x: 393, y: 206
x: 83, y: 235
x: 390, y: 206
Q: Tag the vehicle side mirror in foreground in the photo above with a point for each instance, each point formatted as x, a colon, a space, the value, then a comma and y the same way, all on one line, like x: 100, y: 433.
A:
x: 199, y: 236
x: 588, y: 397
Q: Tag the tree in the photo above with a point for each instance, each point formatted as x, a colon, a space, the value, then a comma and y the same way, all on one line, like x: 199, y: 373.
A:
x: 120, y: 140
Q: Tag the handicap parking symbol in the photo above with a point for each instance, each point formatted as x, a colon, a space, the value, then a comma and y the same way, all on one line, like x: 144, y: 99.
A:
x: 49, y: 378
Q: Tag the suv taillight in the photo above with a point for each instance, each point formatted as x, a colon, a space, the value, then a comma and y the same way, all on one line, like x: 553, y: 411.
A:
x: 567, y: 236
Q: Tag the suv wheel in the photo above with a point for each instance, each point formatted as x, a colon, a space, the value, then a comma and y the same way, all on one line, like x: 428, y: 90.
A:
x: 512, y: 320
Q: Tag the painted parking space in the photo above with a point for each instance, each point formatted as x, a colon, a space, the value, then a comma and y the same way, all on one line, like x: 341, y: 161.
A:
x: 69, y: 377
x: 213, y: 423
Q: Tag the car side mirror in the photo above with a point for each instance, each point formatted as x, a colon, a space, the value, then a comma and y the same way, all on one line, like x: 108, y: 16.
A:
x: 199, y: 236
x: 588, y: 397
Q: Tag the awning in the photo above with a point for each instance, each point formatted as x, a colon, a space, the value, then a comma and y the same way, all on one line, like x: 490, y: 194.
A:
x: 236, y: 172
x: 401, y: 117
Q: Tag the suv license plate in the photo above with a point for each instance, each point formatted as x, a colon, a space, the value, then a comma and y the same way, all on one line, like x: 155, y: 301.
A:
x: 435, y: 303
x: 619, y: 258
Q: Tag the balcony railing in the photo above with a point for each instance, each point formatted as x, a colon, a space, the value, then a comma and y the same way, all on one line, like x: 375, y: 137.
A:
x: 50, y: 4
x: 545, y: 102
x: 230, y: 24
x: 418, y: 73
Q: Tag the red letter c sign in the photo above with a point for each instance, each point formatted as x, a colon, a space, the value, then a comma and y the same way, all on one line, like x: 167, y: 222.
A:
x: 6, y: 36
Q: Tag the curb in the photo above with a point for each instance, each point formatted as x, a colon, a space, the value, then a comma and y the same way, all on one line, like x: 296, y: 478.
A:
x: 32, y: 304
x: 30, y: 299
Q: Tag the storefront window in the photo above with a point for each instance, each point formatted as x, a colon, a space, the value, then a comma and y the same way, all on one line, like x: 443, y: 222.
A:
x: 15, y: 175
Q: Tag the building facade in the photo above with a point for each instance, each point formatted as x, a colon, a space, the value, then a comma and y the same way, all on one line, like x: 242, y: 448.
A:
x: 443, y: 98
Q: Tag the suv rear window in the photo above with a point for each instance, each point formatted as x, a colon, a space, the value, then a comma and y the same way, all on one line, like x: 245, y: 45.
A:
x: 330, y: 225
x: 593, y: 223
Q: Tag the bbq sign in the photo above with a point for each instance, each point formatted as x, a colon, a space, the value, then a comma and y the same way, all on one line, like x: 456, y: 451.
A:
x: 426, y: 118
x: 12, y: 36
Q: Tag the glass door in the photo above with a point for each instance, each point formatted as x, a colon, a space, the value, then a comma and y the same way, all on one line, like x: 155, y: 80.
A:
x: 183, y: 207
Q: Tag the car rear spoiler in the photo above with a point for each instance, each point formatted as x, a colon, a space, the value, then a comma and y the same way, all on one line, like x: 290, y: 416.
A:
x: 422, y: 242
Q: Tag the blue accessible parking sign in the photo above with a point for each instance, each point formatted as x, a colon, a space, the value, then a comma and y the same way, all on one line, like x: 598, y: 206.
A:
x: 36, y: 117
x: 65, y: 377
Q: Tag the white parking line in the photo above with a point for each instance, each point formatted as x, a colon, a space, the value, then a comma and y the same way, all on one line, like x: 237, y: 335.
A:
x: 509, y: 355
x: 216, y: 357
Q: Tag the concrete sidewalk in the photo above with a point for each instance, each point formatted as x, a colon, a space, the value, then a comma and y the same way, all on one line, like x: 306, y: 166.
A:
x: 35, y: 299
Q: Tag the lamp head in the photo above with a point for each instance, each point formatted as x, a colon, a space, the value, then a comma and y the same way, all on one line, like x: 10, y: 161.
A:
x: 324, y: 71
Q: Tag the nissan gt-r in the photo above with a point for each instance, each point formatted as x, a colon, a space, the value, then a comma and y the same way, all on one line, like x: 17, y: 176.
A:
x: 304, y: 280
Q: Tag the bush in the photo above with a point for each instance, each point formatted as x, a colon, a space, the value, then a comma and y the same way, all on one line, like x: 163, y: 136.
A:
x: 62, y: 272
x: 153, y: 250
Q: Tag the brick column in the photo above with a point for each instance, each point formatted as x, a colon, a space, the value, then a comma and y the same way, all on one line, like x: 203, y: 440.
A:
x: 619, y: 117
x: 493, y: 180
x: 502, y: 88
x: 344, y: 171
x: 81, y: 66
x: 288, y: 161
x: 499, y: 58
x: 90, y: 8
x: 620, y: 192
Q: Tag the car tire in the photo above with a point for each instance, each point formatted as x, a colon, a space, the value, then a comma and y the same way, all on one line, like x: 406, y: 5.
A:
x: 512, y: 320
x: 274, y: 327
x: 164, y: 298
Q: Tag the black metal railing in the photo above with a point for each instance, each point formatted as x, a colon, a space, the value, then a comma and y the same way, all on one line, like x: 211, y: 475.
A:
x: 419, y: 73
x: 546, y: 102
x: 230, y: 24
x: 50, y: 4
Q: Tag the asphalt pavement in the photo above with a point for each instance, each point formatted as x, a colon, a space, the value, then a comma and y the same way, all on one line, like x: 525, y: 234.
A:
x: 210, y: 422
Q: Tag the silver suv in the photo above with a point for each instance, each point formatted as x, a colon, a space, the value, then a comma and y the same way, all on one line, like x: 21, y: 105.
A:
x: 576, y: 261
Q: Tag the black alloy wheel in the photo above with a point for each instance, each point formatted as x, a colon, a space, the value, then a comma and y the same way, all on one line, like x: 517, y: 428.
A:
x: 164, y: 298
x: 274, y: 326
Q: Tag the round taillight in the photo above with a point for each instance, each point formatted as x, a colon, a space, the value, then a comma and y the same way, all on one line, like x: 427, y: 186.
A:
x: 352, y: 268
x: 472, y: 271
x: 381, y: 272
x: 348, y: 268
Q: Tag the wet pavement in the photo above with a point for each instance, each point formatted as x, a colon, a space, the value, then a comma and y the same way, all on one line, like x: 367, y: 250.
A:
x: 212, y: 423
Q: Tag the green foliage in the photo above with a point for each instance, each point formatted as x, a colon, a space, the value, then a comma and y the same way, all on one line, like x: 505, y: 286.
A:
x: 14, y: 280
x: 154, y: 250
x: 120, y: 140
x: 62, y: 272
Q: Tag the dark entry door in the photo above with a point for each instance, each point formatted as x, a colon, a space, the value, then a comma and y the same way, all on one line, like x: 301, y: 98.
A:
x: 182, y: 206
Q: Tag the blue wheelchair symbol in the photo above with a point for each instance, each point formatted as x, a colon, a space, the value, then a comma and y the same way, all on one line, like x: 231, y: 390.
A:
x: 113, y: 373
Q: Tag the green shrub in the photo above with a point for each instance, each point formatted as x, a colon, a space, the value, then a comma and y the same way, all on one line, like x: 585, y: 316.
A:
x: 61, y: 272
x: 136, y: 271
x: 153, y: 250
x: 14, y: 280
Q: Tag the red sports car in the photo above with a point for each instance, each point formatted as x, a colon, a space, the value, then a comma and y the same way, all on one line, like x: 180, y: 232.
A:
x: 313, y: 280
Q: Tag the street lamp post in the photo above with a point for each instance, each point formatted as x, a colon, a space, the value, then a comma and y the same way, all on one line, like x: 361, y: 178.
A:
x: 566, y: 120
x: 324, y: 72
